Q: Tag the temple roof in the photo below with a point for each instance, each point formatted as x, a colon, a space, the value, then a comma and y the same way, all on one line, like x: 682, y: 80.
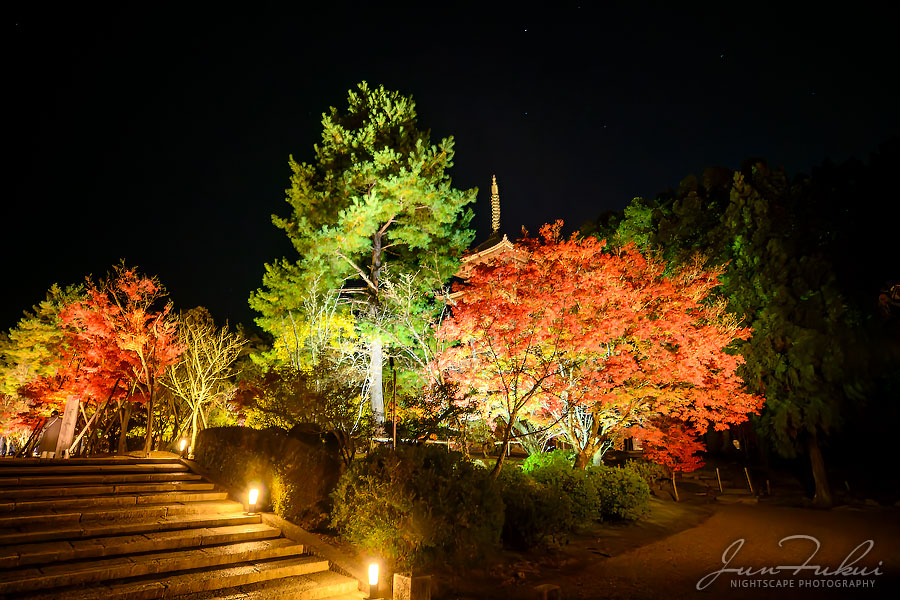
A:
x: 495, y: 238
x: 495, y: 245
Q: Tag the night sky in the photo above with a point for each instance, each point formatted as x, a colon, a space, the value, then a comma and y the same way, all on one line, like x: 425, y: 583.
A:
x: 162, y: 136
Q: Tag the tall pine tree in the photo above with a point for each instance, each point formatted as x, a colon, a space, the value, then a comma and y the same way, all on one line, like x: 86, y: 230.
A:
x: 377, y: 200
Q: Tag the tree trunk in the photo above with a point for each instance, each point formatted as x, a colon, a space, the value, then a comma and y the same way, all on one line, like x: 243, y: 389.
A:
x: 583, y: 458
x: 376, y: 392
x: 148, y: 437
x: 193, y: 431
x: 507, y: 431
x: 822, y: 499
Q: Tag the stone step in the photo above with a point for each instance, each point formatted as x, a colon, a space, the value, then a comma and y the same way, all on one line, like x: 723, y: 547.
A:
x: 38, y: 553
x: 56, y: 491
x: 85, y: 479
x: 137, y: 512
x: 110, y: 460
x: 192, y: 581
x: 80, y: 573
x: 107, y: 460
x: 323, y: 584
x: 80, y: 531
x: 134, y: 528
x: 65, y: 468
x: 107, y: 501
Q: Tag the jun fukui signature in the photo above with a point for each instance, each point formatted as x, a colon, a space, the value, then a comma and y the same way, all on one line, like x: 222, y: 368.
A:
x: 847, y: 567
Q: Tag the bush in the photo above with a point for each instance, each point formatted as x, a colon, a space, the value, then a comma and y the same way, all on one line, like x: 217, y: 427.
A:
x: 554, y: 469
x: 650, y: 472
x: 418, y: 506
x: 623, y: 493
x: 557, y: 459
x: 296, y: 476
x: 534, y: 512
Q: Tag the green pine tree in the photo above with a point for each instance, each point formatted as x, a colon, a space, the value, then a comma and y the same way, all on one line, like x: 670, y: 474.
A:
x: 377, y: 200
x: 26, y: 352
x: 787, y: 289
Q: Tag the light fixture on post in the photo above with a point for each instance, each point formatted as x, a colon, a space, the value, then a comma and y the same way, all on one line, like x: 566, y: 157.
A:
x: 182, y: 447
x: 251, y: 501
x: 373, y: 580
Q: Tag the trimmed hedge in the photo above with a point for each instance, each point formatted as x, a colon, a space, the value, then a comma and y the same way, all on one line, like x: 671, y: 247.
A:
x: 597, y: 493
x: 418, y: 506
x: 623, y: 493
x: 650, y: 472
x: 534, y: 513
x: 296, y: 476
x: 557, y: 473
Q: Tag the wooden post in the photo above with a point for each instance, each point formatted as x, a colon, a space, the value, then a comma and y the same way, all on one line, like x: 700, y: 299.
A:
x: 394, y: 405
x: 719, y: 478
x: 675, y: 487
x: 749, y: 483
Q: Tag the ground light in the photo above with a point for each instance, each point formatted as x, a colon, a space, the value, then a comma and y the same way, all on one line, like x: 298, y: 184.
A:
x: 182, y: 446
x: 373, y: 580
x: 251, y: 504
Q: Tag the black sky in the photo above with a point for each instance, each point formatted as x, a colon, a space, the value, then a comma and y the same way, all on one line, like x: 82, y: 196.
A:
x: 160, y: 134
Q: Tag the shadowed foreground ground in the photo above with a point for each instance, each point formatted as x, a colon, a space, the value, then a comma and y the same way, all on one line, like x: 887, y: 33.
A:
x: 663, y: 559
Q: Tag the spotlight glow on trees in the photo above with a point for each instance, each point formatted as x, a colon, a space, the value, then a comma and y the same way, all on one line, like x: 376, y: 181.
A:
x: 606, y: 344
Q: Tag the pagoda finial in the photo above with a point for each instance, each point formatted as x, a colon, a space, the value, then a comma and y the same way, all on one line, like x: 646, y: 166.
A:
x: 495, y: 205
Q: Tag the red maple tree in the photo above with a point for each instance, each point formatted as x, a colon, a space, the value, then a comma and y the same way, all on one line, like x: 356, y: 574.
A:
x: 116, y: 345
x: 601, y: 344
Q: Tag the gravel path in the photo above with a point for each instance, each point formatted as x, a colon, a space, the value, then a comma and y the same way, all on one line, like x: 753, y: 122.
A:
x: 667, y: 557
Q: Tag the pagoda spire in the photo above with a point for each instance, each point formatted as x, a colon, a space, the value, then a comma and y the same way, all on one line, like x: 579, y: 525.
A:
x: 495, y: 205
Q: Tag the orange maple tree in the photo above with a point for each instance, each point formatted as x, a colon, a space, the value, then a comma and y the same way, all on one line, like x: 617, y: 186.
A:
x: 117, y: 343
x: 604, y: 345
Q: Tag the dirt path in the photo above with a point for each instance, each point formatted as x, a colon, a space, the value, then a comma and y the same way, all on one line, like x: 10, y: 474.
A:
x: 657, y: 560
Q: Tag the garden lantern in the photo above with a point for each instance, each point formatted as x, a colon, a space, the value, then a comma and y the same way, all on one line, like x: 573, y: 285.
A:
x: 373, y: 580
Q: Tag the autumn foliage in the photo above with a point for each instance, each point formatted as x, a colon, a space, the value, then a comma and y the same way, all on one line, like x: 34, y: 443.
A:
x: 116, y: 343
x: 603, y: 345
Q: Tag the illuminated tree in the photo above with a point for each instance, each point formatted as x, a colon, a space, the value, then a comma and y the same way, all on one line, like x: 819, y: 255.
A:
x: 377, y: 198
x: 117, y: 343
x: 565, y: 330
x: 28, y: 352
x: 786, y: 247
x: 286, y: 398
x: 206, y: 367
x: 788, y: 290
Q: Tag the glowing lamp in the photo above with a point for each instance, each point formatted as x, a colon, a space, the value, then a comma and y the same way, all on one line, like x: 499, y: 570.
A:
x: 254, y: 496
x: 183, y: 444
x: 373, y: 580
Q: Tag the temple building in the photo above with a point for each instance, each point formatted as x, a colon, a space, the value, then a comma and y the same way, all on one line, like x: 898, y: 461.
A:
x: 495, y: 245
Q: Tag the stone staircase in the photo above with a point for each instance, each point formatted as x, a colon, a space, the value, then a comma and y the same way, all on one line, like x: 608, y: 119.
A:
x: 140, y: 529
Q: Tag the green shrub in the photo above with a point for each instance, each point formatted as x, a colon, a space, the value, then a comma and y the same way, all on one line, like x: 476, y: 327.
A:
x: 554, y: 469
x: 296, y: 477
x: 418, y: 506
x: 623, y: 493
x: 650, y: 472
x: 534, y: 512
x: 556, y: 459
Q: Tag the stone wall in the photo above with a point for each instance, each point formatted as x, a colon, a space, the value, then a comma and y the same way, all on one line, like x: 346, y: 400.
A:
x: 294, y: 476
